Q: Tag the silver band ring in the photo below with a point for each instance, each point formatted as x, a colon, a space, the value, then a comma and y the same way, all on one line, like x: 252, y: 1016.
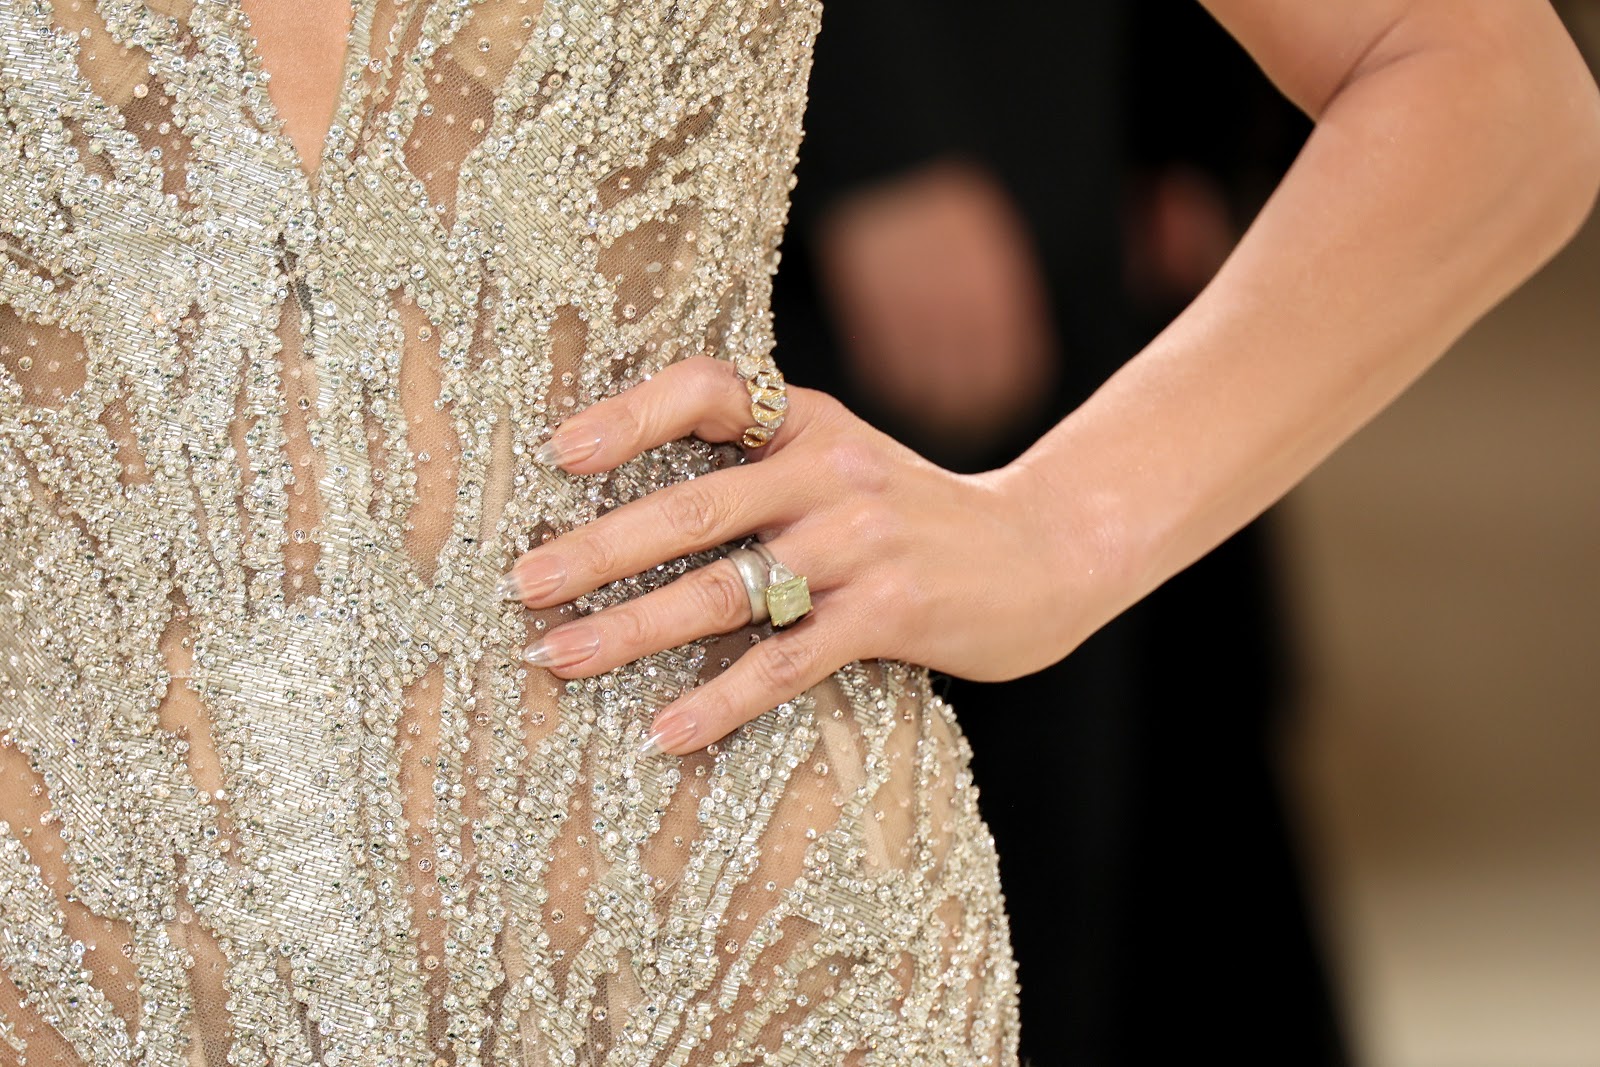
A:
x: 754, y: 571
x: 777, y: 594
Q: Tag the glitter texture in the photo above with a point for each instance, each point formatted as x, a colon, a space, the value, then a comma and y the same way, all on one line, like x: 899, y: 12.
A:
x: 275, y: 784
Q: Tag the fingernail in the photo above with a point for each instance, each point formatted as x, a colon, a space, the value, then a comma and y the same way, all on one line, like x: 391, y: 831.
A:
x: 672, y: 730
x: 538, y: 577
x: 563, y: 647
x: 568, y: 447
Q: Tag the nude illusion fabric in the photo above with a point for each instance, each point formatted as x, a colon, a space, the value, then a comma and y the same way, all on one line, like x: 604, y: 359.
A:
x: 275, y: 785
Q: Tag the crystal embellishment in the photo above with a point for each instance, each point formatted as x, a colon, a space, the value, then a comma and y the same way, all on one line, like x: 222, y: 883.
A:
x: 276, y: 784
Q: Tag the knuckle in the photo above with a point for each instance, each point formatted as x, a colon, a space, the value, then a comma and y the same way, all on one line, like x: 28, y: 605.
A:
x: 876, y: 587
x: 716, y: 709
x: 872, y: 522
x: 711, y: 374
x: 856, y: 464
x: 892, y: 589
x: 784, y: 664
x: 812, y: 405
x: 916, y: 599
x: 631, y: 626
x: 723, y: 596
x: 691, y: 513
x: 597, y: 556
x: 629, y: 421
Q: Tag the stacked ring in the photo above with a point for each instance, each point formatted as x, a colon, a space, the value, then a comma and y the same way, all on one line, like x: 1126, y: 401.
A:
x: 776, y: 593
x: 753, y: 570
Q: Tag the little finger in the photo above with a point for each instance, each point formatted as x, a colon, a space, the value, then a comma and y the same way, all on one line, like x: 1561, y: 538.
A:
x: 779, y: 668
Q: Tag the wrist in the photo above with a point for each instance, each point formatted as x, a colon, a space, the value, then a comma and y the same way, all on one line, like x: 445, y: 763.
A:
x: 1086, y: 552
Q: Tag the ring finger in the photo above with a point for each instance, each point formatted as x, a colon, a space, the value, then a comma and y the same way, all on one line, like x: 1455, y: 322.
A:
x: 711, y: 599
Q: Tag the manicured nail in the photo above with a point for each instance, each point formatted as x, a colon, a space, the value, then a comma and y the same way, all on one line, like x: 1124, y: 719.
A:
x: 567, y: 447
x: 531, y: 580
x: 672, y: 730
x: 563, y: 647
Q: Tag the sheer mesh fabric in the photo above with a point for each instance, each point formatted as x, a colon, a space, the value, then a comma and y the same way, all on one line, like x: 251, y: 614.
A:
x: 275, y: 786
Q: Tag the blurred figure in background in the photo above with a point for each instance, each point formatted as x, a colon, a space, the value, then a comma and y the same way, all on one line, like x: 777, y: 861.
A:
x: 963, y: 290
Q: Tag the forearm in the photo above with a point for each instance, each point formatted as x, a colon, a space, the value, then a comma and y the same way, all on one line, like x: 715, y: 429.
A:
x: 1443, y: 171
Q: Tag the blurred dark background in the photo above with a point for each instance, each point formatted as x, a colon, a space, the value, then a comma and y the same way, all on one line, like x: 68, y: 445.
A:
x: 994, y: 212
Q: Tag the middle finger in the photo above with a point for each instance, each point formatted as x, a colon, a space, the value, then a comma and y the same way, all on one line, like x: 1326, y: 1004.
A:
x: 674, y: 521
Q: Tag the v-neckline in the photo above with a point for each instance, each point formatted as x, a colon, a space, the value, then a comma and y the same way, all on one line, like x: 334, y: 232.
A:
x: 250, y: 41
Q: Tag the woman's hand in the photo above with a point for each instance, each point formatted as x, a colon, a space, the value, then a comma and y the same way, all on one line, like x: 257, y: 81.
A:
x: 1457, y: 147
x: 905, y: 560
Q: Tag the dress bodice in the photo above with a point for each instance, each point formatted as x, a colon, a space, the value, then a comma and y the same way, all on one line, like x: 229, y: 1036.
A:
x: 275, y: 786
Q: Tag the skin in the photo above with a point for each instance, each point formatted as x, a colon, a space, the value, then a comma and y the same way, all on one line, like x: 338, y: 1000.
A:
x: 304, y: 78
x: 1457, y: 148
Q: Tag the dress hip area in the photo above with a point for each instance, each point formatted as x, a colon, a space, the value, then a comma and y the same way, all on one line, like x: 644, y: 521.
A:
x: 275, y: 785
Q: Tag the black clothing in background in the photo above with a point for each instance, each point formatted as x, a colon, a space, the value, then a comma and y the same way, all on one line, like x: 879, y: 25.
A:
x: 1154, y: 902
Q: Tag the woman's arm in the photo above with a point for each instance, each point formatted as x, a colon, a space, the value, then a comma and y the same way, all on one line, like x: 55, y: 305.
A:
x: 1457, y: 147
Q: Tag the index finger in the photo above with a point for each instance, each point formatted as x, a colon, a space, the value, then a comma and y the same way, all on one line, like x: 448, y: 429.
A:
x: 673, y: 521
x: 699, y: 396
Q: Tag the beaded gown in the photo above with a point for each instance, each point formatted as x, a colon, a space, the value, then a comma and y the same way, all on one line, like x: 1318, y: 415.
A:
x: 275, y: 785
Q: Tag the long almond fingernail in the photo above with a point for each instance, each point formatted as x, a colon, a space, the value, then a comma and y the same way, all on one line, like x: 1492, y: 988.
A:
x: 567, y: 447
x: 563, y: 647
x: 538, y: 577
x: 673, y: 730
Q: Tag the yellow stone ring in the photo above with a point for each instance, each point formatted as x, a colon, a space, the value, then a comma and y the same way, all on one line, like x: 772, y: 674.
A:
x: 777, y: 594
x: 768, y: 403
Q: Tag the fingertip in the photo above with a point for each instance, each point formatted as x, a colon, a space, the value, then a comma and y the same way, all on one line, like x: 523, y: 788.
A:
x: 534, y: 578
x: 673, y: 733
x: 570, y: 447
x: 566, y: 651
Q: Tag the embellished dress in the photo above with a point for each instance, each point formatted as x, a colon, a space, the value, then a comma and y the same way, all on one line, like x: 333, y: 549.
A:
x: 276, y: 787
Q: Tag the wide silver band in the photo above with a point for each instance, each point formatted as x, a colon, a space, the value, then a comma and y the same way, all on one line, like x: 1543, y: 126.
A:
x: 756, y: 570
x: 771, y: 561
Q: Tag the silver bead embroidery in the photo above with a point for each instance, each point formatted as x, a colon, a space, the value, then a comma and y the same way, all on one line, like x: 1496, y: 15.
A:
x: 276, y: 787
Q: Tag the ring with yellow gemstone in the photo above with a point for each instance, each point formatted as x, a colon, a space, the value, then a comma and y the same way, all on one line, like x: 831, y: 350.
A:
x: 777, y: 594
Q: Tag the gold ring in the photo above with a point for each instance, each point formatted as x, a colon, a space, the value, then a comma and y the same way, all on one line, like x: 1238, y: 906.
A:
x: 768, y: 403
